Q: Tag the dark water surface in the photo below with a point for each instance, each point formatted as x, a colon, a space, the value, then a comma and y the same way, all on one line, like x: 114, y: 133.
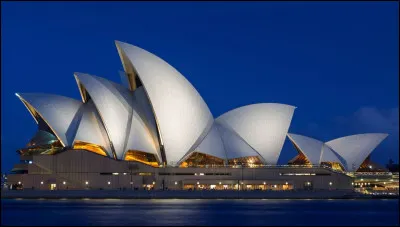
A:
x: 199, y: 212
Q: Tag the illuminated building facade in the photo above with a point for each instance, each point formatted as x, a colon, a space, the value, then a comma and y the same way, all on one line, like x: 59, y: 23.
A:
x: 155, y: 127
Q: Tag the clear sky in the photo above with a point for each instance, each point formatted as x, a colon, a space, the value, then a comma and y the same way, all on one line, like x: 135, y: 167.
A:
x: 337, y: 62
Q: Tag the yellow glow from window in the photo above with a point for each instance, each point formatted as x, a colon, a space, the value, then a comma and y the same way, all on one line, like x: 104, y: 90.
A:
x: 79, y: 145
x: 142, y: 157
x: 198, y: 159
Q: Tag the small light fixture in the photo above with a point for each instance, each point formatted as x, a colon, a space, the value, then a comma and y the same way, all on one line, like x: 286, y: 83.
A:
x: 362, y: 179
x: 384, y: 182
x: 220, y: 182
x: 124, y: 173
x: 275, y: 186
x: 154, y: 182
x: 64, y: 182
x: 176, y: 183
x: 265, y: 183
x: 198, y: 182
x: 286, y: 183
x: 352, y: 183
x: 241, y: 182
x: 87, y: 182
x: 109, y: 182
x: 370, y: 167
x: 41, y: 182
x: 131, y: 182
x: 115, y: 173
x: 30, y: 162
x: 19, y: 182
x: 330, y: 183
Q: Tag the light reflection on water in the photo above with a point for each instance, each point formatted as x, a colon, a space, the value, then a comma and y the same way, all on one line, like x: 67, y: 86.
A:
x: 199, y: 212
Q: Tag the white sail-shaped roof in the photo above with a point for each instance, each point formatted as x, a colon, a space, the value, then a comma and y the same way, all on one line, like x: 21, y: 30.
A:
x: 234, y: 145
x: 139, y: 137
x: 145, y: 111
x: 57, y: 111
x: 211, y: 145
x: 91, y: 129
x: 328, y: 155
x: 113, y: 104
x: 263, y: 126
x: 356, y: 148
x: 181, y: 114
x: 310, y: 147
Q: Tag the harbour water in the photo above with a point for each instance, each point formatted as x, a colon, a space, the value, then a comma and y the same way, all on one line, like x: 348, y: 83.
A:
x: 222, y: 212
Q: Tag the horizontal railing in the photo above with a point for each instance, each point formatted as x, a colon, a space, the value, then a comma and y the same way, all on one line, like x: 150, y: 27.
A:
x: 372, y: 173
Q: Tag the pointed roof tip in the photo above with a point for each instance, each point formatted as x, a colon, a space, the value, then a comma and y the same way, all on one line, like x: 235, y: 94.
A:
x: 79, y: 74
x: 119, y: 44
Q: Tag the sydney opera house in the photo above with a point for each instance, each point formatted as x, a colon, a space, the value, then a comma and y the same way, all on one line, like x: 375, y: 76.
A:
x: 154, y: 131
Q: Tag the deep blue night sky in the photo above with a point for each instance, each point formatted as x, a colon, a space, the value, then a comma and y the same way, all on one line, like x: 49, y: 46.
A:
x: 336, y: 61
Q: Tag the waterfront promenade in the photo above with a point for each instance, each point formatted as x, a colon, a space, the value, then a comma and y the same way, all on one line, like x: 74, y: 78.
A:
x: 178, y: 194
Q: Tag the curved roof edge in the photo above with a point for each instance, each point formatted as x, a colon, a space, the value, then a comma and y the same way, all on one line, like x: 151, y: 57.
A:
x: 178, y: 108
x: 60, y: 113
x: 112, y: 102
x: 354, y: 149
x: 263, y: 126
x: 310, y: 147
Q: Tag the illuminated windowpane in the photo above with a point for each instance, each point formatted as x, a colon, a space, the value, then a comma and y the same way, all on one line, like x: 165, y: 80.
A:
x: 142, y: 157
x: 246, y: 161
x: 79, y: 145
x: 201, y: 160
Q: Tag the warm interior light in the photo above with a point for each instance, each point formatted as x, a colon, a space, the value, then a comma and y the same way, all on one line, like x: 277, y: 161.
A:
x: 80, y: 145
x: 197, y: 159
x: 142, y: 157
